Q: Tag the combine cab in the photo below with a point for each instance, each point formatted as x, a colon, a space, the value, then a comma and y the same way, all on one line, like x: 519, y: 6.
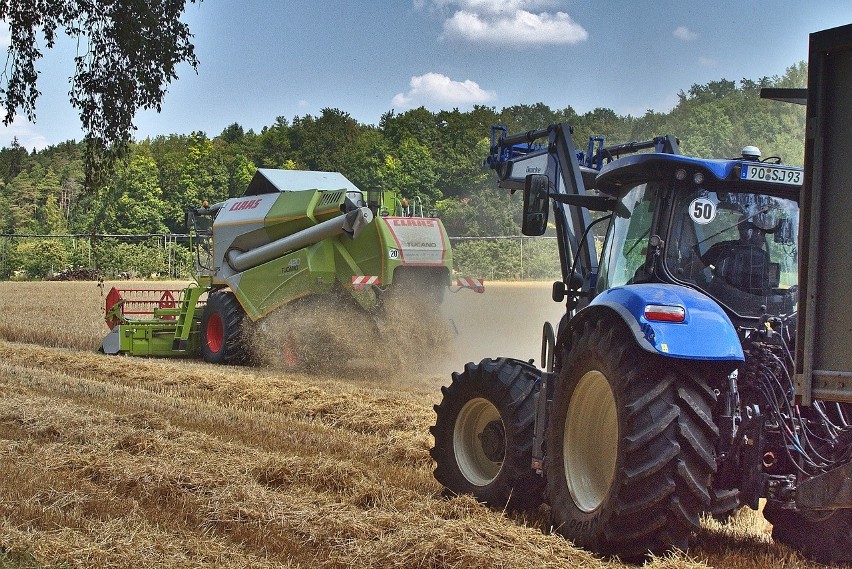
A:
x: 293, y: 235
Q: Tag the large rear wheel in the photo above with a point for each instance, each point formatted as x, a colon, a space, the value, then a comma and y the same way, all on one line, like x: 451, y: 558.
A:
x: 630, y: 445
x: 825, y: 537
x: 484, y: 434
x: 222, y: 329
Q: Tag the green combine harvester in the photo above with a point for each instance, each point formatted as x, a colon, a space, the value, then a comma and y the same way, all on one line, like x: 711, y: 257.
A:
x: 292, y: 234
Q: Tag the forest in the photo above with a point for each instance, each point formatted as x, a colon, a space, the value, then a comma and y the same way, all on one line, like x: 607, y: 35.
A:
x: 133, y: 222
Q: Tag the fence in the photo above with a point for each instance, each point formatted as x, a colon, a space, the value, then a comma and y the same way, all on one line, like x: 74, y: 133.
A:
x: 168, y: 255
x: 112, y: 255
x: 511, y: 257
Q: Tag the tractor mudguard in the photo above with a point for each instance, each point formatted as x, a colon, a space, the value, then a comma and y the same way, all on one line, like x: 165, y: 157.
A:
x: 706, y: 332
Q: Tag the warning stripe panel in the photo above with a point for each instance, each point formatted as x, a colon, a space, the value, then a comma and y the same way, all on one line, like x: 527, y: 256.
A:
x: 477, y: 285
x: 360, y: 282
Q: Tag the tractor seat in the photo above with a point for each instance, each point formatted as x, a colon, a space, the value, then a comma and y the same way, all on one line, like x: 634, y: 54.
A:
x: 747, y: 268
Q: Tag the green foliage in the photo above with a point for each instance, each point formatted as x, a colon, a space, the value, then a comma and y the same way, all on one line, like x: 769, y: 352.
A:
x: 133, y: 202
x: 489, y: 259
x: 487, y: 213
x: 39, y: 258
x: 130, y: 52
x: 436, y: 156
x: 143, y: 259
x: 507, y: 259
x: 410, y: 170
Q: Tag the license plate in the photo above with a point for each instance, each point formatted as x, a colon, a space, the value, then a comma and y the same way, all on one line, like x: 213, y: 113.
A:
x: 771, y: 174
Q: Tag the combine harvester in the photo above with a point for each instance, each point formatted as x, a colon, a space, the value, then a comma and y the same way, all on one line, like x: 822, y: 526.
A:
x: 292, y: 235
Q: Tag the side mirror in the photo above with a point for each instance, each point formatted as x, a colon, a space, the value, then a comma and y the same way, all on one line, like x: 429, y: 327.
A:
x: 536, y: 204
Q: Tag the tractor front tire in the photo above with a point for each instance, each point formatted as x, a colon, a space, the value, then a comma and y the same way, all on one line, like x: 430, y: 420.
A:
x: 630, y: 445
x: 222, y: 330
x: 484, y: 434
x: 822, y: 536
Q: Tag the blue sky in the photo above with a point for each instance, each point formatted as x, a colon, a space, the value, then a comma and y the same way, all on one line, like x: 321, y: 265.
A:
x: 265, y: 59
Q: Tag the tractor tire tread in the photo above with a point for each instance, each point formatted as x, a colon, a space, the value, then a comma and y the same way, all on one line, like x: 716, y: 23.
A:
x: 509, y: 385
x: 662, y: 486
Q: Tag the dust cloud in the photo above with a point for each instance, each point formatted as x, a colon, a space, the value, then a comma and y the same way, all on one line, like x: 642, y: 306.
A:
x: 505, y: 320
x: 413, y: 336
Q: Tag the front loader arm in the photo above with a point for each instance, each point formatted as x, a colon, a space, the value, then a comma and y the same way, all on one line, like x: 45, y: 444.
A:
x: 518, y: 156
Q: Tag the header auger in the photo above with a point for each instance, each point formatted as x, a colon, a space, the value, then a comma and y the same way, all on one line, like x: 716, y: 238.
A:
x: 292, y: 235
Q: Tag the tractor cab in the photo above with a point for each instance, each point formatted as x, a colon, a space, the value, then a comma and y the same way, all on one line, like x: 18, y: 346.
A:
x: 725, y: 227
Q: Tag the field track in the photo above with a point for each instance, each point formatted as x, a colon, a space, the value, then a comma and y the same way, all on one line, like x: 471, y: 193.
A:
x: 128, y: 462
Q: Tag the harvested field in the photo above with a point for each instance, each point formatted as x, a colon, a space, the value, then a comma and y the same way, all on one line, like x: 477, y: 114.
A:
x: 129, y: 462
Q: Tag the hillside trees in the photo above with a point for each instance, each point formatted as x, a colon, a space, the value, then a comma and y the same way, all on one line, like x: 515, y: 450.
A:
x: 132, y: 203
x: 717, y: 119
x: 436, y: 156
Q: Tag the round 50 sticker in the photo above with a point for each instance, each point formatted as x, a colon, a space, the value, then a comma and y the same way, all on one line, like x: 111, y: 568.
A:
x: 702, y: 211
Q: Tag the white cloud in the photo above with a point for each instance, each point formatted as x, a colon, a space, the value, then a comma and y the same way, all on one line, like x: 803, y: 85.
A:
x: 707, y: 62
x: 26, y: 133
x: 511, y: 22
x: 492, y: 7
x: 434, y: 88
x: 684, y: 33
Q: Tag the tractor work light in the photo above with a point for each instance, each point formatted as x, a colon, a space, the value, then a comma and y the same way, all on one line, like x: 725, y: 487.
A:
x: 698, y: 178
x: 663, y: 313
x: 680, y: 174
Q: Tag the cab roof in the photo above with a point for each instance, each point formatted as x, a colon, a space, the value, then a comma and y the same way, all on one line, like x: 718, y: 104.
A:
x: 271, y: 180
x: 638, y: 168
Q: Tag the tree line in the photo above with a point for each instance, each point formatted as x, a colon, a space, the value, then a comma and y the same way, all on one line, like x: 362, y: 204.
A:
x: 436, y: 156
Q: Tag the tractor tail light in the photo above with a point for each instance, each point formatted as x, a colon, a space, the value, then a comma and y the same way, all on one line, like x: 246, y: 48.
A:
x: 662, y: 313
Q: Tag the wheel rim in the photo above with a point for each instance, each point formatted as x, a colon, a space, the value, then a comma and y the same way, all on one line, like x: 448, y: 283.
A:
x: 478, y: 435
x: 590, y: 441
x: 215, y: 333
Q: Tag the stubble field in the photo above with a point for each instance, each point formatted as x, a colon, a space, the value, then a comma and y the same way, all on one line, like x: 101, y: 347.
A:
x: 127, y: 462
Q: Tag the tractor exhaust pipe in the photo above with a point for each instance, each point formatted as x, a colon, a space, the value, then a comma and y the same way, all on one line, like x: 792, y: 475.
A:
x: 350, y: 223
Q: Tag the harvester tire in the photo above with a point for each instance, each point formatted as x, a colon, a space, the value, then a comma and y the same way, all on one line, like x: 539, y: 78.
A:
x: 484, y: 434
x: 629, y: 447
x: 222, y: 334
x: 822, y: 536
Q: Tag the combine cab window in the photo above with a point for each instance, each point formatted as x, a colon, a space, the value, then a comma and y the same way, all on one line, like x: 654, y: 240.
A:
x: 624, y: 259
x: 740, y: 248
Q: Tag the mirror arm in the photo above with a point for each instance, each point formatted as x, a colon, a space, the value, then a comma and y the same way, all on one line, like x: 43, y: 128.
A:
x: 594, y: 203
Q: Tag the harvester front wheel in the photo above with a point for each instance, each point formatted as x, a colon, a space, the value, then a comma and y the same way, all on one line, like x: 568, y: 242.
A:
x: 484, y: 434
x: 222, y: 324
x: 629, y: 445
x: 825, y: 537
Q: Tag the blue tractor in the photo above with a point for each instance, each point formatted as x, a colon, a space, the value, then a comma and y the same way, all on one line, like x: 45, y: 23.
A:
x: 667, y: 388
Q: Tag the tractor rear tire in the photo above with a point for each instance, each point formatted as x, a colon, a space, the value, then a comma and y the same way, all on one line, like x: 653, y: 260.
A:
x: 630, y: 445
x: 824, y: 537
x: 724, y: 503
x: 222, y: 330
x: 484, y: 434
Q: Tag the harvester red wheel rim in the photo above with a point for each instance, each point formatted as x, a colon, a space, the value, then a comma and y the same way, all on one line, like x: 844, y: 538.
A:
x: 215, y: 333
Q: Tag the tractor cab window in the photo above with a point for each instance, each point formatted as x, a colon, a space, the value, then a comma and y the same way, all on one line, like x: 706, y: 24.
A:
x: 624, y: 259
x: 740, y: 248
